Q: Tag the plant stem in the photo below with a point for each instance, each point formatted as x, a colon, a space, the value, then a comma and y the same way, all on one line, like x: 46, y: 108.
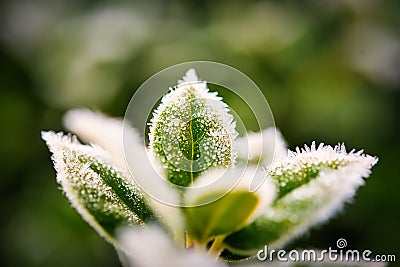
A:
x: 216, y: 247
x: 188, y: 241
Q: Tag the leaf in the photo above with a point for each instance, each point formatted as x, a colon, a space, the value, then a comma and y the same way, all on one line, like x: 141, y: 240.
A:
x: 221, y: 202
x: 113, y: 135
x: 220, y: 217
x: 302, y: 166
x: 191, y: 131
x: 96, y: 128
x: 315, y: 198
x: 101, y: 193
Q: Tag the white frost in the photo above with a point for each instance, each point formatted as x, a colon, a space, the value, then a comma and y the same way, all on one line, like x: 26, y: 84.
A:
x: 263, y: 147
x: 190, y: 76
x: 151, y: 247
x: 96, y: 128
x: 323, y: 155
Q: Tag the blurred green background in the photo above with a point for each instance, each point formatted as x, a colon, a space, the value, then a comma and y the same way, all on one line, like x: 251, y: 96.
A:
x: 329, y: 69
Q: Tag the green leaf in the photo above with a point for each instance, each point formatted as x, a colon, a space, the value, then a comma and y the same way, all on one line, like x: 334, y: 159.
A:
x: 101, y: 193
x: 112, y: 134
x: 302, y: 166
x: 125, y: 191
x: 220, y: 217
x: 191, y: 132
x: 295, y: 212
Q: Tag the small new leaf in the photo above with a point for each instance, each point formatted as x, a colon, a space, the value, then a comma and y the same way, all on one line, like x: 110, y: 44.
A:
x: 192, y: 131
x: 223, y: 203
x: 220, y: 217
x: 100, y: 192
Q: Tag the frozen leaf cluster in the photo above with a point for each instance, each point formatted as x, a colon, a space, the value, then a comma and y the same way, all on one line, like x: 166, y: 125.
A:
x: 250, y: 191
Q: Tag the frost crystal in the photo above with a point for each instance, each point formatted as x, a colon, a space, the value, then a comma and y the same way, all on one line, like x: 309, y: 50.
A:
x: 304, y: 164
x: 192, y: 131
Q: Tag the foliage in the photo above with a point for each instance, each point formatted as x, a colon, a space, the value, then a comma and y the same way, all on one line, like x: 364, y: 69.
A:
x: 193, y: 126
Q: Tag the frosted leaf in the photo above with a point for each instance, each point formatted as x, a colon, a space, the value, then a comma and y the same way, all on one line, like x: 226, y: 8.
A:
x: 98, y: 191
x: 96, y: 128
x: 192, y: 131
x: 303, y: 165
x: 320, y: 180
x: 318, y: 200
x: 110, y: 134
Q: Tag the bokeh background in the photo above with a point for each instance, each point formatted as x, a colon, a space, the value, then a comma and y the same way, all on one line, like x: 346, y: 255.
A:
x: 329, y: 69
